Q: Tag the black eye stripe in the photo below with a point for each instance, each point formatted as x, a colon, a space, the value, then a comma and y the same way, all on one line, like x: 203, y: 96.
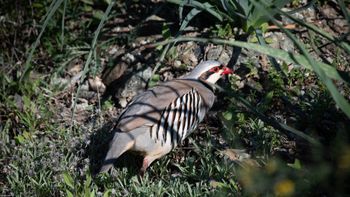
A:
x: 215, y: 69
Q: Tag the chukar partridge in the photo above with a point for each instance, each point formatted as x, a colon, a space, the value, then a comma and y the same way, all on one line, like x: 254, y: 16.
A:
x: 157, y: 120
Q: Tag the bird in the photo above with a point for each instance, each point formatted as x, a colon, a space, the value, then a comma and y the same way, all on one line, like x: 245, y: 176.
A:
x: 160, y: 118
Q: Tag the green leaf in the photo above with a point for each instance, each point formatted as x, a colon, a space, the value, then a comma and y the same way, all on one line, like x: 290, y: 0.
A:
x: 108, y: 104
x: 90, y: 2
x: 154, y: 80
x: 188, y: 18
x: 68, y: 180
x: 295, y: 165
x: 268, y: 97
x: 227, y: 115
x: 69, y: 194
x: 87, y: 8
x: 37, y: 5
x: 19, y: 139
x: 87, y: 192
x: 250, y: 16
x: 92, y: 194
x: 108, y: 1
x: 98, y: 14
x: 166, y: 31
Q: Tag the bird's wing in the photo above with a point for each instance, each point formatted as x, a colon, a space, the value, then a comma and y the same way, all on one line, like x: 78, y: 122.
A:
x: 147, y: 107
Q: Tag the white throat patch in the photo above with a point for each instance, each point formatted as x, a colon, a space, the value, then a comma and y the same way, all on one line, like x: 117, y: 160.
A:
x: 213, y: 78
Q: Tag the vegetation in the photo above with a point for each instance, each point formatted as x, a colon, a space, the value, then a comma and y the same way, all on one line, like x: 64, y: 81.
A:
x: 280, y: 126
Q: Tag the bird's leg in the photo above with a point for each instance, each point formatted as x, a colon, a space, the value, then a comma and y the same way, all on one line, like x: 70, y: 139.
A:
x: 146, y: 163
x: 144, y: 166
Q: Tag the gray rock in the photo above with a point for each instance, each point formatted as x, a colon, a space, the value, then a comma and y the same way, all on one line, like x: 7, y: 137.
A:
x: 220, y: 53
x: 281, y: 41
x: 62, y: 82
x: 84, y: 86
x: 88, y: 95
x: 135, y: 85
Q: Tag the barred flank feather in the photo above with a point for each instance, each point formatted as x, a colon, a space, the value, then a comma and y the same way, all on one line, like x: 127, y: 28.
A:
x: 178, y: 120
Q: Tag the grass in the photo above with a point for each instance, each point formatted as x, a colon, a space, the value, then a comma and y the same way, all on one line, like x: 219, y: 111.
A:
x: 292, y: 122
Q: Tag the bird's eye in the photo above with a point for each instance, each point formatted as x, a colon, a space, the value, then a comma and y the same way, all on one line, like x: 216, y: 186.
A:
x: 215, y: 69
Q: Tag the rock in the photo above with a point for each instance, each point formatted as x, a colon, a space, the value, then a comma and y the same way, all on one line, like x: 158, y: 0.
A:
x: 219, y: 53
x: 329, y: 12
x: 130, y: 58
x: 287, y: 45
x: 76, y: 78
x: 82, y: 104
x: 85, y: 86
x: 177, y: 63
x: 123, y: 102
x: 135, y: 85
x: 309, y: 14
x: 341, y: 25
x: 87, y: 95
x: 187, y: 53
x: 214, y: 52
x: 281, y: 41
x: 112, y: 74
x: 97, y: 85
x: 167, y: 76
x: 74, y: 69
x: 248, y: 57
x: 225, y: 57
x: 154, y: 18
x: 115, y: 51
x: 62, y: 82
x: 235, y: 154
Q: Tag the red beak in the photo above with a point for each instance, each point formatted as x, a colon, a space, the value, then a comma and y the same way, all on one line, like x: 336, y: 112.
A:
x: 227, y: 71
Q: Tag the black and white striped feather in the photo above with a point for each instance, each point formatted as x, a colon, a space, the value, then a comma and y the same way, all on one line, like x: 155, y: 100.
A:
x: 178, y: 119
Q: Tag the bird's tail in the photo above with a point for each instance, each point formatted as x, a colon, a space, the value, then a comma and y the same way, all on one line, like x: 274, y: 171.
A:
x: 120, y: 143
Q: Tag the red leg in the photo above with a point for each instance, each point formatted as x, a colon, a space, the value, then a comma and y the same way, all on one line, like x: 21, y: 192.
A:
x: 147, y: 162
x: 144, y: 167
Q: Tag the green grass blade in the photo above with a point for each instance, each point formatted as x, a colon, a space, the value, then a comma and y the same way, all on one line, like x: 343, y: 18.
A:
x: 188, y: 18
x: 62, y: 23
x: 234, y: 10
x: 28, y: 66
x: 181, y: 9
x: 91, y: 52
x: 200, y: 6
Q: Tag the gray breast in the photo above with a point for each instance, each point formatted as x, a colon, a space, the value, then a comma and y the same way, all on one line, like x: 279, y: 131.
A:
x: 179, y: 119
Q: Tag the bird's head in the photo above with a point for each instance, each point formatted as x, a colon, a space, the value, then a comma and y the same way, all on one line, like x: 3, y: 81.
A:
x: 209, y: 71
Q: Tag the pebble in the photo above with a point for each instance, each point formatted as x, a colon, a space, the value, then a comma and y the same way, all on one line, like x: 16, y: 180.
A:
x: 97, y: 85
